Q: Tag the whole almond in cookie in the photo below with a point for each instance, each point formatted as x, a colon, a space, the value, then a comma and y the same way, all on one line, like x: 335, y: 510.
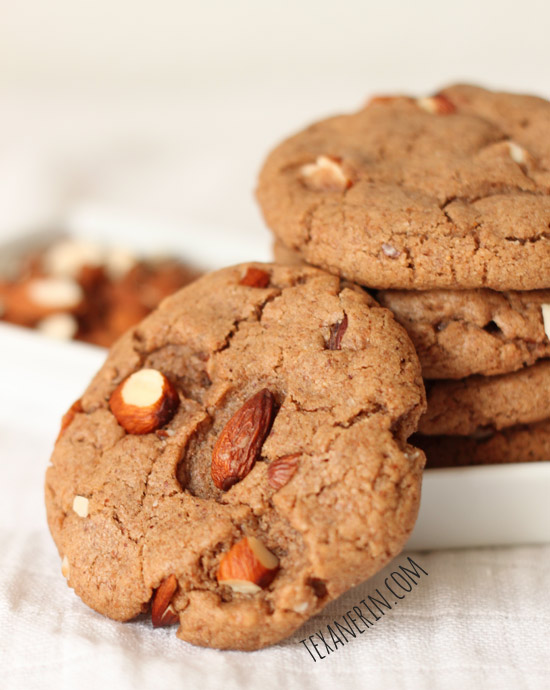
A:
x: 241, y: 440
x: 144, y: 401
x: 241, y: 458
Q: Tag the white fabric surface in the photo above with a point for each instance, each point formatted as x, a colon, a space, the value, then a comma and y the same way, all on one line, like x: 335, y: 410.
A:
x: 480, y: 619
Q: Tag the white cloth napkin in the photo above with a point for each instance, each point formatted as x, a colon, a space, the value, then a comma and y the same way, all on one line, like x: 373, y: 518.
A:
x: 480, y: 619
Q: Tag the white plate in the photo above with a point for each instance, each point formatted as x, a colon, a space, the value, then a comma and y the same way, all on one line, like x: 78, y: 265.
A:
x: 484, y: 506
x: 468, y: 506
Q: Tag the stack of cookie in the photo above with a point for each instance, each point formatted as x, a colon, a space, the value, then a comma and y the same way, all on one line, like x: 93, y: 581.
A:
x: 441, y: 207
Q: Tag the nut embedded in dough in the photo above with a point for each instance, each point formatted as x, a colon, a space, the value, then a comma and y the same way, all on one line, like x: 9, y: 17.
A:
x: 281, y: 470
x: 68, y: 417
x: 240, y: 442
x: 337, y: 333
x: 65, y: 567
x: 326, y: 174
x: 144, y: 401
x: 80, y: 506
x: 255, y: 277
x: 248, y: 566
x: 162, y: 611
x: 436, y: 105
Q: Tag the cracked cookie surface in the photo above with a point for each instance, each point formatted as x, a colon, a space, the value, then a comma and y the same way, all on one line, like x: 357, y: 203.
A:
x: 318, y: 386
x: 460, y: 333
x: 401, y: 195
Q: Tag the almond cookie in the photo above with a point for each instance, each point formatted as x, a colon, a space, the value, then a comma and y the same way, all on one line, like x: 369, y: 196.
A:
x: 451, y: 191
x: 241, y: 459
x: 521, y: 443
x: 479, y: 403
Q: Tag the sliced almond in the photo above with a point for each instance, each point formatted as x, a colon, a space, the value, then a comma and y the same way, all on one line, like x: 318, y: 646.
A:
x: 436, y: 105
x: 162, y: 611
x: 165, y: 433
x: 326, y: 174
x: 248, y: 566
x: 144, y: 401
x: 80, y: 506
x: 281, y: 471
x: 240, y: 442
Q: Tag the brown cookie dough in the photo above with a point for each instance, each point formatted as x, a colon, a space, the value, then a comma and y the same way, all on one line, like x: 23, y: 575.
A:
x: 458, y: 333
x: 282, y: 477
x: 478, y: 403
x: 521, y: 443
x: 451, y: 191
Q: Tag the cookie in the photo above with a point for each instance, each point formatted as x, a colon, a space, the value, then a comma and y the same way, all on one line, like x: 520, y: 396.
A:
x: 521, y: 443
x: 459, y: 333
x: 451, y: 191
x: 477, y: 403
x: 241, y: 458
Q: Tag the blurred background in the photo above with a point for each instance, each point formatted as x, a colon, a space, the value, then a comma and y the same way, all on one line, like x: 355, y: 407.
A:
x: 147, y: 122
